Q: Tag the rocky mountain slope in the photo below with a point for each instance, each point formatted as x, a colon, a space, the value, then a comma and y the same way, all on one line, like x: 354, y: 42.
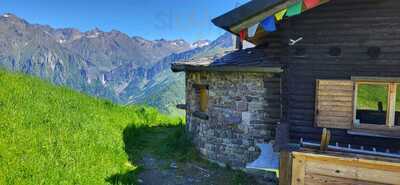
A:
x: 111, y: 64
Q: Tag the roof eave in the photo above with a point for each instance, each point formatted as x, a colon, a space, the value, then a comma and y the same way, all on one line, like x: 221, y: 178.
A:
x: 249, y: 14
x: 249, y: 69
x: 244, y: 12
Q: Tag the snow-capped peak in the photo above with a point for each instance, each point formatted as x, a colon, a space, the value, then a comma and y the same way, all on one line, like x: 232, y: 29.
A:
x: 9, y: 15
x: 94, y: 35
x: 200, y: 44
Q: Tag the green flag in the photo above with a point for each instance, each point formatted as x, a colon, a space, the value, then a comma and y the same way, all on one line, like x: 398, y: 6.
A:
x: 279, y: 15
x: 295, y: 9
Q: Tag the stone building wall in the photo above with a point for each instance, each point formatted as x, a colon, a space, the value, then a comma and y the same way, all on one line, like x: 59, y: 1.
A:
x: 243, y: 109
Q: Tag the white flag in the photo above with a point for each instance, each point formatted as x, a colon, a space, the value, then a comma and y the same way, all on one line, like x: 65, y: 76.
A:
x: 252, y: 30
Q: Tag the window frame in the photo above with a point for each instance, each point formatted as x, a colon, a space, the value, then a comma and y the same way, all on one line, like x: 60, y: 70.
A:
x: 390, y: 109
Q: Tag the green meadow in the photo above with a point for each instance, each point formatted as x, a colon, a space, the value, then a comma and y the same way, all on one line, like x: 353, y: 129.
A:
x: 54, y: 135
x: 369, y: 96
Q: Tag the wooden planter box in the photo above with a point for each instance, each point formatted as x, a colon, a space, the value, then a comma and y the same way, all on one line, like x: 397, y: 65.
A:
x: 312, y: 168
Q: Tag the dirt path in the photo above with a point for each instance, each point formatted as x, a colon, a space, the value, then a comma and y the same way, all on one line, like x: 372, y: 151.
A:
x: 163, y: 172
x: 166, y: 157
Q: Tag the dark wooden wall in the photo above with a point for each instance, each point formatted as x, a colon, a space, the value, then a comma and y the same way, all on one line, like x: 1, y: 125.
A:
x: 354, y: 26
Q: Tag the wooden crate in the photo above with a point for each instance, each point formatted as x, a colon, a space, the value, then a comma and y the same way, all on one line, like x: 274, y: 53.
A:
x: 311, y: 168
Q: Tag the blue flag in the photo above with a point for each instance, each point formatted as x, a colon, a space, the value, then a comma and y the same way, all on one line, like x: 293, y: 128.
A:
x: 269, y: 24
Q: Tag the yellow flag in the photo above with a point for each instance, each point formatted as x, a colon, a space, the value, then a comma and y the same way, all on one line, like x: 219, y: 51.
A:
x: 279, y: 15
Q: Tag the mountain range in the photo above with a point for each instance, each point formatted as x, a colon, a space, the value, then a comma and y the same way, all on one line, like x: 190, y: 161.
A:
x: 110, y: 65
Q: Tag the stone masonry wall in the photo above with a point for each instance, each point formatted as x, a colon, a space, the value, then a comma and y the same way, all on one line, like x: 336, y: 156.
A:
x: 243, y: 109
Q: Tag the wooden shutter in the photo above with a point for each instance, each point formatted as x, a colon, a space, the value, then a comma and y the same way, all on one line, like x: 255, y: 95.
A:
x: 203, y: 99
x: 334, y: 104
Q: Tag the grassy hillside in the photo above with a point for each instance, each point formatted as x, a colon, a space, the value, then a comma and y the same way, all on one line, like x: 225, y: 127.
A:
x: 165, y: 92
x: 53, y: 135
x: 370, y: 95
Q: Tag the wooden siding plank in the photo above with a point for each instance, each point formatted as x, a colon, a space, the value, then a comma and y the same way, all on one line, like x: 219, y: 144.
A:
x: 336, y: 98
x: 327, y: 92
x: 325, y: 83
x: 336, y: 114
x: 337, y: 87
x: 341, y: 108
x: 334, y: 103
x: 315, y: 179
x: 329, y: 119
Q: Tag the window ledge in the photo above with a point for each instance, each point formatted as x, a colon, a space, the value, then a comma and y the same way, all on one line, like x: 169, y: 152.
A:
x: 200, y: 115
x: 374, y: 133
x: 181, y: 106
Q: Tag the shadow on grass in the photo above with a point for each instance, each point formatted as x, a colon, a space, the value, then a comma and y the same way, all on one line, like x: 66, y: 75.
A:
x: 165, y: 141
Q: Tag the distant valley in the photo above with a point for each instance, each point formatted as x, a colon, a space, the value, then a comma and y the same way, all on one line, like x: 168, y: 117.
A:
x: 110, y: 65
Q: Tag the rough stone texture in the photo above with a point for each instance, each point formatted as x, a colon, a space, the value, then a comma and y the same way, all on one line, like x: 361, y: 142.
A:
x: 243, y: 109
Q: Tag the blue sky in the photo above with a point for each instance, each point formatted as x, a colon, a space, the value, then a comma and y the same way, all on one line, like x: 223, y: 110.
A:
x: 151, y: 19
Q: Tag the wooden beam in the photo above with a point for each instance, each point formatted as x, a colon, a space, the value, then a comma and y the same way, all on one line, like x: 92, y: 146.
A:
x: 376, y: 79
x: 230, y: 69
x: 374, y: 127
x: 394, y: 133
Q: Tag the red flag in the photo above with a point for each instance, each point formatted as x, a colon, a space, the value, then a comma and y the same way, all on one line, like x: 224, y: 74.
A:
x: 242, y: 35
x: 311, y: 3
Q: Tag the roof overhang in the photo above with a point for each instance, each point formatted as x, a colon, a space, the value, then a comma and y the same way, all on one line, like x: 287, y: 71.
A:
x: 188, y: 68
x: 246, y: 14
x: 254, y: 60
x: 250, y: 14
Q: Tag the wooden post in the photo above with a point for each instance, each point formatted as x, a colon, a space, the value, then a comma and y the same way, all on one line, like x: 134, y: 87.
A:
x: 285, y: 163
x: 325, y: 139
x: 298, y: 170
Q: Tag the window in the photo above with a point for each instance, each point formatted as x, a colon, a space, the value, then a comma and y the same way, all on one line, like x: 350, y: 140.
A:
x: 371, y: 105
x: 363, y: 104
x: 375, y: 105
